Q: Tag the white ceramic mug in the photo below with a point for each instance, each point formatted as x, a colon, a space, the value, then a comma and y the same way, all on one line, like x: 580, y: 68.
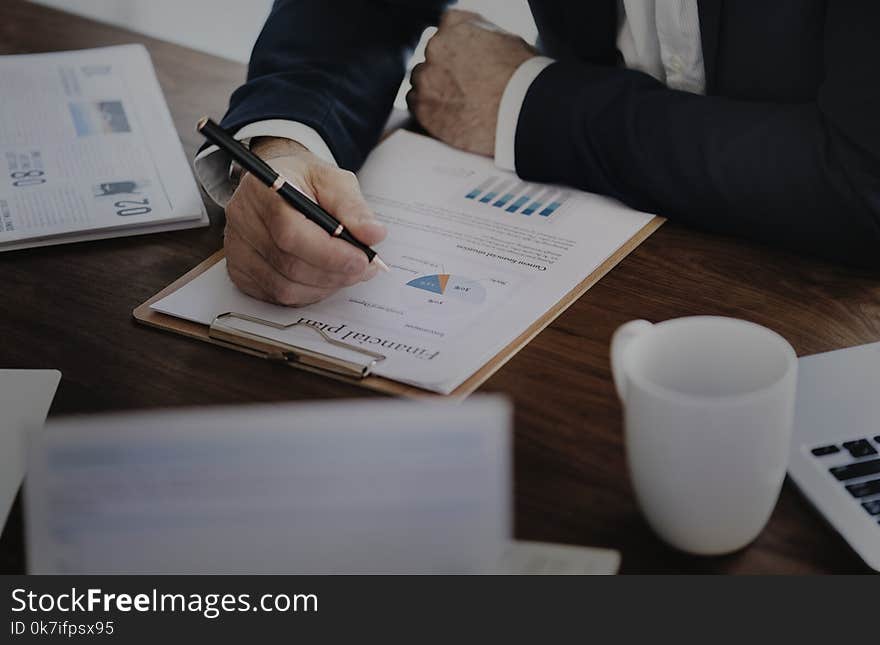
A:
x: 708, y: 412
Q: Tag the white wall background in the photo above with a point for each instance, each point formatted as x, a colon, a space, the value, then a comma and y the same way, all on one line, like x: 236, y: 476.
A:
x: 238, y: 22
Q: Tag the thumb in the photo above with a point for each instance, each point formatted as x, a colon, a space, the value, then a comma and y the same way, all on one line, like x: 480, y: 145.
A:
x: 338, y: 192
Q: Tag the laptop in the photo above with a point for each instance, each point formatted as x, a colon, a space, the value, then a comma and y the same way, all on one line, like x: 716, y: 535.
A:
x: 835, y: 452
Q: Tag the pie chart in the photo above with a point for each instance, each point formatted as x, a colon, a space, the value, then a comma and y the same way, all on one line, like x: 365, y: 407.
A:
x: 444, y: 290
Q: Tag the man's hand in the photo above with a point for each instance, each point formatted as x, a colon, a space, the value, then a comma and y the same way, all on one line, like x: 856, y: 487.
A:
x: 457, y: 91
x: 274, y: 253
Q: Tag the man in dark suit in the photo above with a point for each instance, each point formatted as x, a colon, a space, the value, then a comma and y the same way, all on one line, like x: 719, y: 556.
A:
x: 749, y: 118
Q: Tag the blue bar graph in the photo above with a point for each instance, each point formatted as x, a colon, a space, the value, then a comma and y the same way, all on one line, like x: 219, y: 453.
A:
x: 493, y: 193
x: 479, y: 189
x: 518, y: 203
x: 509, y: 195
x: 536, y: 205
x: 554, y: 205
x: 512, y: 195
x: 504, y: 199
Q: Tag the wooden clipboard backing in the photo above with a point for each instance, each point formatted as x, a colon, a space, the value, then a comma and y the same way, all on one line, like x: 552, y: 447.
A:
x: 147, y: 316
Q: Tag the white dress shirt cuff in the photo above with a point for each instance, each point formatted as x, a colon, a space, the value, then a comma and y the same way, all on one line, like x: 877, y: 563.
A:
x: 511, y: 104
x: 212, y: 165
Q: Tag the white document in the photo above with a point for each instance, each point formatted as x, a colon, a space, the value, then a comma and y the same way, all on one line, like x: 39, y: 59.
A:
x: 88, y: 150
x: 540, y: 558
x: 476, y: 257
x: 386, y: 486
x: 25, y: 397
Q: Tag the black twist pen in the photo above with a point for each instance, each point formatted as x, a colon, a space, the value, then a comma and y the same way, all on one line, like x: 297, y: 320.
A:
x: 264, y: 172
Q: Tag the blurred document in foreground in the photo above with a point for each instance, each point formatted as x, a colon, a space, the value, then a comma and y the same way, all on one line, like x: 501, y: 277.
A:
x: 360, y: 487
x: 479, y: 261
x: 88, y: 150
x: 25, y: 397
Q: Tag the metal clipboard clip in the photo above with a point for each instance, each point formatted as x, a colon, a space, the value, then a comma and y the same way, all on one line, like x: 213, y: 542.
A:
x: 276, y: 350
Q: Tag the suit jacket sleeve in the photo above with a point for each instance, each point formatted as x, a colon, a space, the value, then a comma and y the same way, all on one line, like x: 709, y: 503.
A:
x: 334, y: 66
x: 803, y: 175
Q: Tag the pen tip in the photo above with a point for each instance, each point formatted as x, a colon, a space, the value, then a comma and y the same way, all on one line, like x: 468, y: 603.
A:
x: 381, y: 264
x: 201, y: 124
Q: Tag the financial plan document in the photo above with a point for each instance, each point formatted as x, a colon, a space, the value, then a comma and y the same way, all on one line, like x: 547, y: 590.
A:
x: 88, y: 150
x: 477, y: 256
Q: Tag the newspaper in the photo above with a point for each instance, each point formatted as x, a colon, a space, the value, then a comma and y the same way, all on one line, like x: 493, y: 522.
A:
x: 88, y: 149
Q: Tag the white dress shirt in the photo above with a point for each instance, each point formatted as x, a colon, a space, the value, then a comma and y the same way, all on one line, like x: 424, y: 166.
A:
x: 658, y: 37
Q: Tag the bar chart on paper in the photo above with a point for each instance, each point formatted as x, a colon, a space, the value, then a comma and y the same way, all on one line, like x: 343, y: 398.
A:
x: 518, y: 197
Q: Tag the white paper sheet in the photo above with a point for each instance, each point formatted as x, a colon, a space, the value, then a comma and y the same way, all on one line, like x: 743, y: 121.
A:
x: 88, y: 150
x: 470, y: 271
x: 541, y: 558
x: 25, y: 397
x: 374, y: 486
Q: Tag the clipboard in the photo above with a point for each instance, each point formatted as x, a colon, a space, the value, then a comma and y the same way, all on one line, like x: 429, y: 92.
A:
x: 223, y: 334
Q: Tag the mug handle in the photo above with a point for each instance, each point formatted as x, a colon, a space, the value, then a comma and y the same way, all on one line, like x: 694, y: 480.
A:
x: 621, y: 339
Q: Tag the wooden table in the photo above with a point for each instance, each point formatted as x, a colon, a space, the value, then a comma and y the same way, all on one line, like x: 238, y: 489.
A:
x: 69, y: 307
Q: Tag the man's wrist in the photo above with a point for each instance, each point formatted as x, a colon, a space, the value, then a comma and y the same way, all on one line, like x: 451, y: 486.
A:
x: 269, y: 148
x: 219, y: 177
x: 274, y: 147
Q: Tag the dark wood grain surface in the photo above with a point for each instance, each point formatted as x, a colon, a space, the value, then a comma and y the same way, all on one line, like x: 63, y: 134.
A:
x: 69, y: 308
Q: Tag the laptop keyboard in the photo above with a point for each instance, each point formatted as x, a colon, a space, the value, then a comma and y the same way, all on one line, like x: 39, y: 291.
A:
x: 856, y: 465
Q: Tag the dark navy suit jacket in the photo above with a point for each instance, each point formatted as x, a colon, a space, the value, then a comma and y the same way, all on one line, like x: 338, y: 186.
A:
x: 784, y: 148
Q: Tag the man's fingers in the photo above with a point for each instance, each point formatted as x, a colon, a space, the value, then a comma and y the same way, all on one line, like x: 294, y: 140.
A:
x: 417, y: 104
x: 298, y: 270
x: 293, y: 267
x: 297, y: 248
x: 416, y: 73
x: 425, y: 81
x: 245, y: 283
x: 251, y: 273
x: 295, y: 235
x: 243, y: 219
x: 275, y: 253
x: 339, y: 193
x: 244, y: 226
